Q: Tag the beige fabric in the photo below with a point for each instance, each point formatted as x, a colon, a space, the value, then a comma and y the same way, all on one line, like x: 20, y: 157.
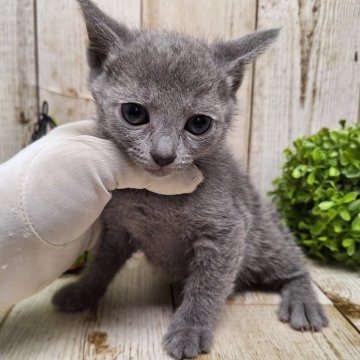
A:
x: 51, y: 195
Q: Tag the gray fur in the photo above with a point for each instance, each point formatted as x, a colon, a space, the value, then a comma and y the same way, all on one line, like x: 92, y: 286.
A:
x: 222, y: 237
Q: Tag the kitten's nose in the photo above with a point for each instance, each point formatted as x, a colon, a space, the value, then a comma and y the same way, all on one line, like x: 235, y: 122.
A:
x: 163, y: 159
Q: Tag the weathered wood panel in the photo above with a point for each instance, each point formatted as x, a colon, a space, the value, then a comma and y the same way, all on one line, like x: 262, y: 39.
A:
x: 130, y: 321
x: 18, y: 101
x: 62, y: 43
x: 128, y: 324
x: 342, y: 287
x: 135, y: 314
x: 310, y: 78
x: 211, y: 20
x: 252, y: 332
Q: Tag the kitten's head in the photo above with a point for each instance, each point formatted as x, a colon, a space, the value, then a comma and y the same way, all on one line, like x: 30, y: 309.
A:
x: 165, y: 99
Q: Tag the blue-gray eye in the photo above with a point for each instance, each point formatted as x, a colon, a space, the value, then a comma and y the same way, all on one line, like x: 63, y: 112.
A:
x: 198, y: 124
x: 134, y: 114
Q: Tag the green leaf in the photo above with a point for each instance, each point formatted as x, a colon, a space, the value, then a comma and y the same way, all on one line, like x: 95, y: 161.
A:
x: 332, y: 214
x: 334, y: 172
x: 297, y: 143
x: 355, y: 205
x: 327, y: 145
x: 351, y: 172
x: 316, y: 154
x: 296, y: 173
x: 299, y: 171
x: 339, y: 135
x: 351, y: 250
x: 303, y: 226
x: 326, y: 205
x: 309, y: 242
x: 344, y: 158
x: 323, y: 238
x: 349, y: 197
x: 347, y: 242
x: 353, y: 145
x: 317, y: 228
x: 337, y: 227
x: 308, y: 144
x: 355, y: 225
x: 287, y: 153
x: 356, y: 163
x: 330, y: 193
x: 344, y: 213
x: 332, y: 245
x: 334, y: 136
x: 311, y: 179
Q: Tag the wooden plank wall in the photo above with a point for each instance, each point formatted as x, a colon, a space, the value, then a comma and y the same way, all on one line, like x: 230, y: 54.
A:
x: 62, y: 54
x: 18, y: 93
x: 310, y: 78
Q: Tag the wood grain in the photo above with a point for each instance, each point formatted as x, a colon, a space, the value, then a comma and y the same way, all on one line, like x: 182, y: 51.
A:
x: 211, y: 20
x: 252, y: 332
x: 310, y: 78
x: 128, y: 323
x: 62, y: 45
x: 18, y: 98
x: 342, y: 287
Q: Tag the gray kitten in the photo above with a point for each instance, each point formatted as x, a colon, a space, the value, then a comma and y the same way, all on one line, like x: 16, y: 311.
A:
x: 167, y: 100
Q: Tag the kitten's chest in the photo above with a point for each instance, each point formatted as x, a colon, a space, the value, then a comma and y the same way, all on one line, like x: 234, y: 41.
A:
x: 159, y: 226
x: 144, y: 211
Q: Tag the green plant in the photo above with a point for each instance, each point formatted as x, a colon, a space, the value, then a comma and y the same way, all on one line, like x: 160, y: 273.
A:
x: 318, y: 193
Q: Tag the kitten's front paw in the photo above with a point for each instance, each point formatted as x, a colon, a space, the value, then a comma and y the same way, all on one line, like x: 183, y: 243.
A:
x: 75, y: 297
x: 302, y: 315
x: 187, y: 342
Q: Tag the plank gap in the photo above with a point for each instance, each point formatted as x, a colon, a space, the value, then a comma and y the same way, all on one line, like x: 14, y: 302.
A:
x: 252, y: 87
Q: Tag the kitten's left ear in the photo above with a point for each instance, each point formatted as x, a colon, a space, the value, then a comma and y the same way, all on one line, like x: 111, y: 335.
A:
x: 234, y: 55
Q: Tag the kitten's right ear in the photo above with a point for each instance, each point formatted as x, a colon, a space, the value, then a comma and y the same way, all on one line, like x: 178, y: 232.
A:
x: 234, y: 55
x: 105, y: 34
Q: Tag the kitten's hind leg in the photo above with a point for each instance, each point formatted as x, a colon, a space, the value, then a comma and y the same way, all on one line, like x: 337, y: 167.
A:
x: 278, y: 262
x: 300, y: 307
x: 112, y: 252
x: 283, y: 269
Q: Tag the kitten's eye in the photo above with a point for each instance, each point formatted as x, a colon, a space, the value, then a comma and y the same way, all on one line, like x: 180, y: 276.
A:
x: 134, y: 114
x: 198, y: 124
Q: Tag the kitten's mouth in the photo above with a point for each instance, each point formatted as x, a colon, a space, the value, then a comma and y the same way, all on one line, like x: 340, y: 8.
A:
x: 159, y: 172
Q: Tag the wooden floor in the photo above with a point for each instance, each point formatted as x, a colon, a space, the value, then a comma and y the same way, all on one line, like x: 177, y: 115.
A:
x: 130, y: 321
